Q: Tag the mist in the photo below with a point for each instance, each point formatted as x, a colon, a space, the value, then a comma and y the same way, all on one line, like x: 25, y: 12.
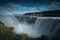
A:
x: 42, y: 25
x: 20, y: 28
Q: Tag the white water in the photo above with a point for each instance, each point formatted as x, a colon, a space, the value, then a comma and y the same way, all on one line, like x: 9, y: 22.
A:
x: 48, y: 26
x: 10, y: 20
x: 42, y: 25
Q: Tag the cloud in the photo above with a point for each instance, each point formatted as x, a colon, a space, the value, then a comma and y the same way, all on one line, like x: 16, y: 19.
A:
x: 16, y: 8
x: 53, y: 6
x: 13, y: 6
x: 20, y: 9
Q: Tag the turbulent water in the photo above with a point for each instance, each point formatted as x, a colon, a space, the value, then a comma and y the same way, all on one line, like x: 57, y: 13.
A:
x: 47, y: 26
x: 34, y: 27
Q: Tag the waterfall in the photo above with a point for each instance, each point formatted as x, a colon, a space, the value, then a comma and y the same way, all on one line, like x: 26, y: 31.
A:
x: 10, y: 20
x: 34, y: 27
x: 47, y: 26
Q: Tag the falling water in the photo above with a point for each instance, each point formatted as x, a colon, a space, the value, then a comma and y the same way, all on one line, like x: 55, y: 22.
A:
x: 10, y: 20
x: 47, y: 26
x: 40, y: 26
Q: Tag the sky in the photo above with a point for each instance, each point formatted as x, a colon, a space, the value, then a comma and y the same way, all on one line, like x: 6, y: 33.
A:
x: 27, y: 6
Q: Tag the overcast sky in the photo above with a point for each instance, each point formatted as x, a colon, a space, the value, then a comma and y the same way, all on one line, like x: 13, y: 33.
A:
x: 26, y: 6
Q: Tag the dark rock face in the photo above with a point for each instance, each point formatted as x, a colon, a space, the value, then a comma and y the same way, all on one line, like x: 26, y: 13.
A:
x: 53, y: 13
x: 31, y: 17
x: 27, y: 19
